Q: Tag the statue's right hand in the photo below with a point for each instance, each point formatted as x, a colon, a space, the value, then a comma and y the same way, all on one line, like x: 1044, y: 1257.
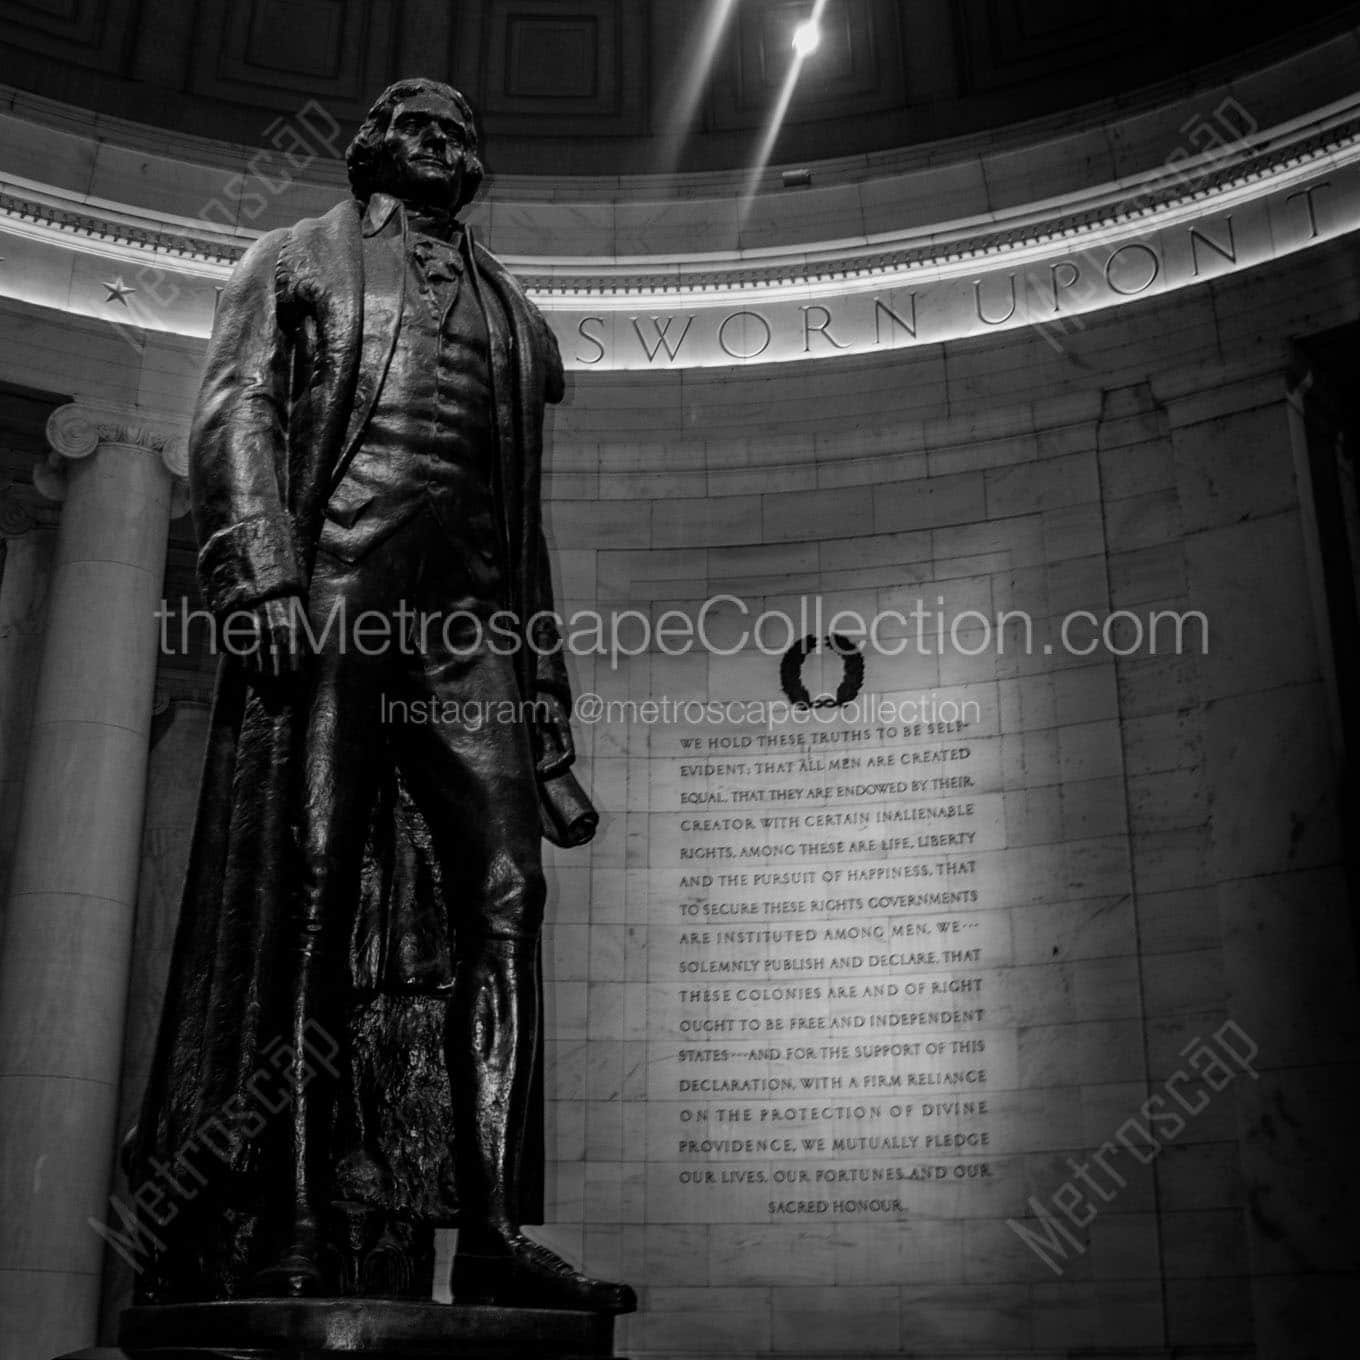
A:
x: 279, y: 647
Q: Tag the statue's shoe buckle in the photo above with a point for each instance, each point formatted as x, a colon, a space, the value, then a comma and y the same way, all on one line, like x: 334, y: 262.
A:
x: 297, y: 1274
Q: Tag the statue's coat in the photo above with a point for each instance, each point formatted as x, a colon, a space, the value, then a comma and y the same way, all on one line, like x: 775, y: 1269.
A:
x: 292, y: 375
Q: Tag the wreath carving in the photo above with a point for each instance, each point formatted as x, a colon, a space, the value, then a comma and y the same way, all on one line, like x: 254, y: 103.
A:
x: 791, y: 671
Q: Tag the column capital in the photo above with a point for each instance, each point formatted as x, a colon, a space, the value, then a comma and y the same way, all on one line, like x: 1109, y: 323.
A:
x: 79, y: 428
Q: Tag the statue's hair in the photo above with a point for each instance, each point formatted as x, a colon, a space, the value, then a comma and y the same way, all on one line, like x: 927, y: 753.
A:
x: 364, y: 156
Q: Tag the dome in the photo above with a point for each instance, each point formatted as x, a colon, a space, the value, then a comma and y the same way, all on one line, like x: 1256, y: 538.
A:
x: 603, y: 87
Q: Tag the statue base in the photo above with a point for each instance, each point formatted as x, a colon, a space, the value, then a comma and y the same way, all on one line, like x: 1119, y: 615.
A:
x: 376, y: 1329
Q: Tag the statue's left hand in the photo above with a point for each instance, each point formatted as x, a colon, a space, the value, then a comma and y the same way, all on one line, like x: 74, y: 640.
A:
x: 554, y: 748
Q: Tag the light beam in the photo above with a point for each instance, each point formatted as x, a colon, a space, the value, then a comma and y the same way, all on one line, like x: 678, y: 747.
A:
x: 801, y: 51
x: 691, y: 89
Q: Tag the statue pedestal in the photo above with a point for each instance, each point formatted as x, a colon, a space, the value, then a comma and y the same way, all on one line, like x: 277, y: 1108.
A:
x: 378, y: 1329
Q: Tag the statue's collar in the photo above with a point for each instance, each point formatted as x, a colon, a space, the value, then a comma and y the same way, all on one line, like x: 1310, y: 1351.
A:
x: 378, y: 213
x: 382, y: 208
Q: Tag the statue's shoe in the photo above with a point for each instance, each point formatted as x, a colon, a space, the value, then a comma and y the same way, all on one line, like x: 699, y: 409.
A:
x: 511, y: 1270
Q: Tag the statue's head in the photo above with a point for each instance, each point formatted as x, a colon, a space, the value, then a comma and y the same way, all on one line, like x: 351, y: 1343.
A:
x: 418, y: 143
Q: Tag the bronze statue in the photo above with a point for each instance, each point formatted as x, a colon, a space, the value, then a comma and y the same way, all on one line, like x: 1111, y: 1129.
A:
x: 363, y: 903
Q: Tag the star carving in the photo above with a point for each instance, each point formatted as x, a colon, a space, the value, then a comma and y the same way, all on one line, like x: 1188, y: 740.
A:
x: 118, y: 291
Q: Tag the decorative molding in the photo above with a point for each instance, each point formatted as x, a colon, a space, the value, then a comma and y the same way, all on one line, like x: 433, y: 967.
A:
x: 1193, y: 220
x: 1049, y: 286
x: 1190, y: 182
x: 581, y: 71
x: 1118, y: 206
x: 79, y: 429
x: 110, y: 230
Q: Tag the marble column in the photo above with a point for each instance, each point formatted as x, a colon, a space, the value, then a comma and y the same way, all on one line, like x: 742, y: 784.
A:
x: 64, y: 957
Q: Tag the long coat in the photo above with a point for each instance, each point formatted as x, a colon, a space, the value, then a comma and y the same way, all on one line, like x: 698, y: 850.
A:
x: 303, y: 337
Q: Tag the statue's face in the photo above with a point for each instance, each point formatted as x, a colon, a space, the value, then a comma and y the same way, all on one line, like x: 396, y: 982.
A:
x: 423, y: 151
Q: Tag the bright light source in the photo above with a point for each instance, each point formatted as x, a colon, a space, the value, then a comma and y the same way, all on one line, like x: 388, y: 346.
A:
x: 807, y: 38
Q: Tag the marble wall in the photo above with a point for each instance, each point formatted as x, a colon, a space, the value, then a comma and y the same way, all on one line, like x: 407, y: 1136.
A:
x: 1149, y: 920
x: 1156, y: 862
x: 1148, y: 927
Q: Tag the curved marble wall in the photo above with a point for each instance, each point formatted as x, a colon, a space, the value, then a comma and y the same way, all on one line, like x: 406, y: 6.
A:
x: 1155, y: 866
x: 1155, y: 835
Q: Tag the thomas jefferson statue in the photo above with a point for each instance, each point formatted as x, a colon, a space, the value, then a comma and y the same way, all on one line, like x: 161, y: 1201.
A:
x: 349, y: 1052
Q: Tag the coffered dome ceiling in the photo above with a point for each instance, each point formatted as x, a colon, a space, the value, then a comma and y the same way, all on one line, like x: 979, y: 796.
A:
x: 603, y: 87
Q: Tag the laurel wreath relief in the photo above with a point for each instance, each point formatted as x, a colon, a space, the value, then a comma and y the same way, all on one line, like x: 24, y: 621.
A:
x: 791, y: 671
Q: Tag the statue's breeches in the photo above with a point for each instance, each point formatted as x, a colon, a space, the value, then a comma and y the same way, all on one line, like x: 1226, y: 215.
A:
x: 430, y: 695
